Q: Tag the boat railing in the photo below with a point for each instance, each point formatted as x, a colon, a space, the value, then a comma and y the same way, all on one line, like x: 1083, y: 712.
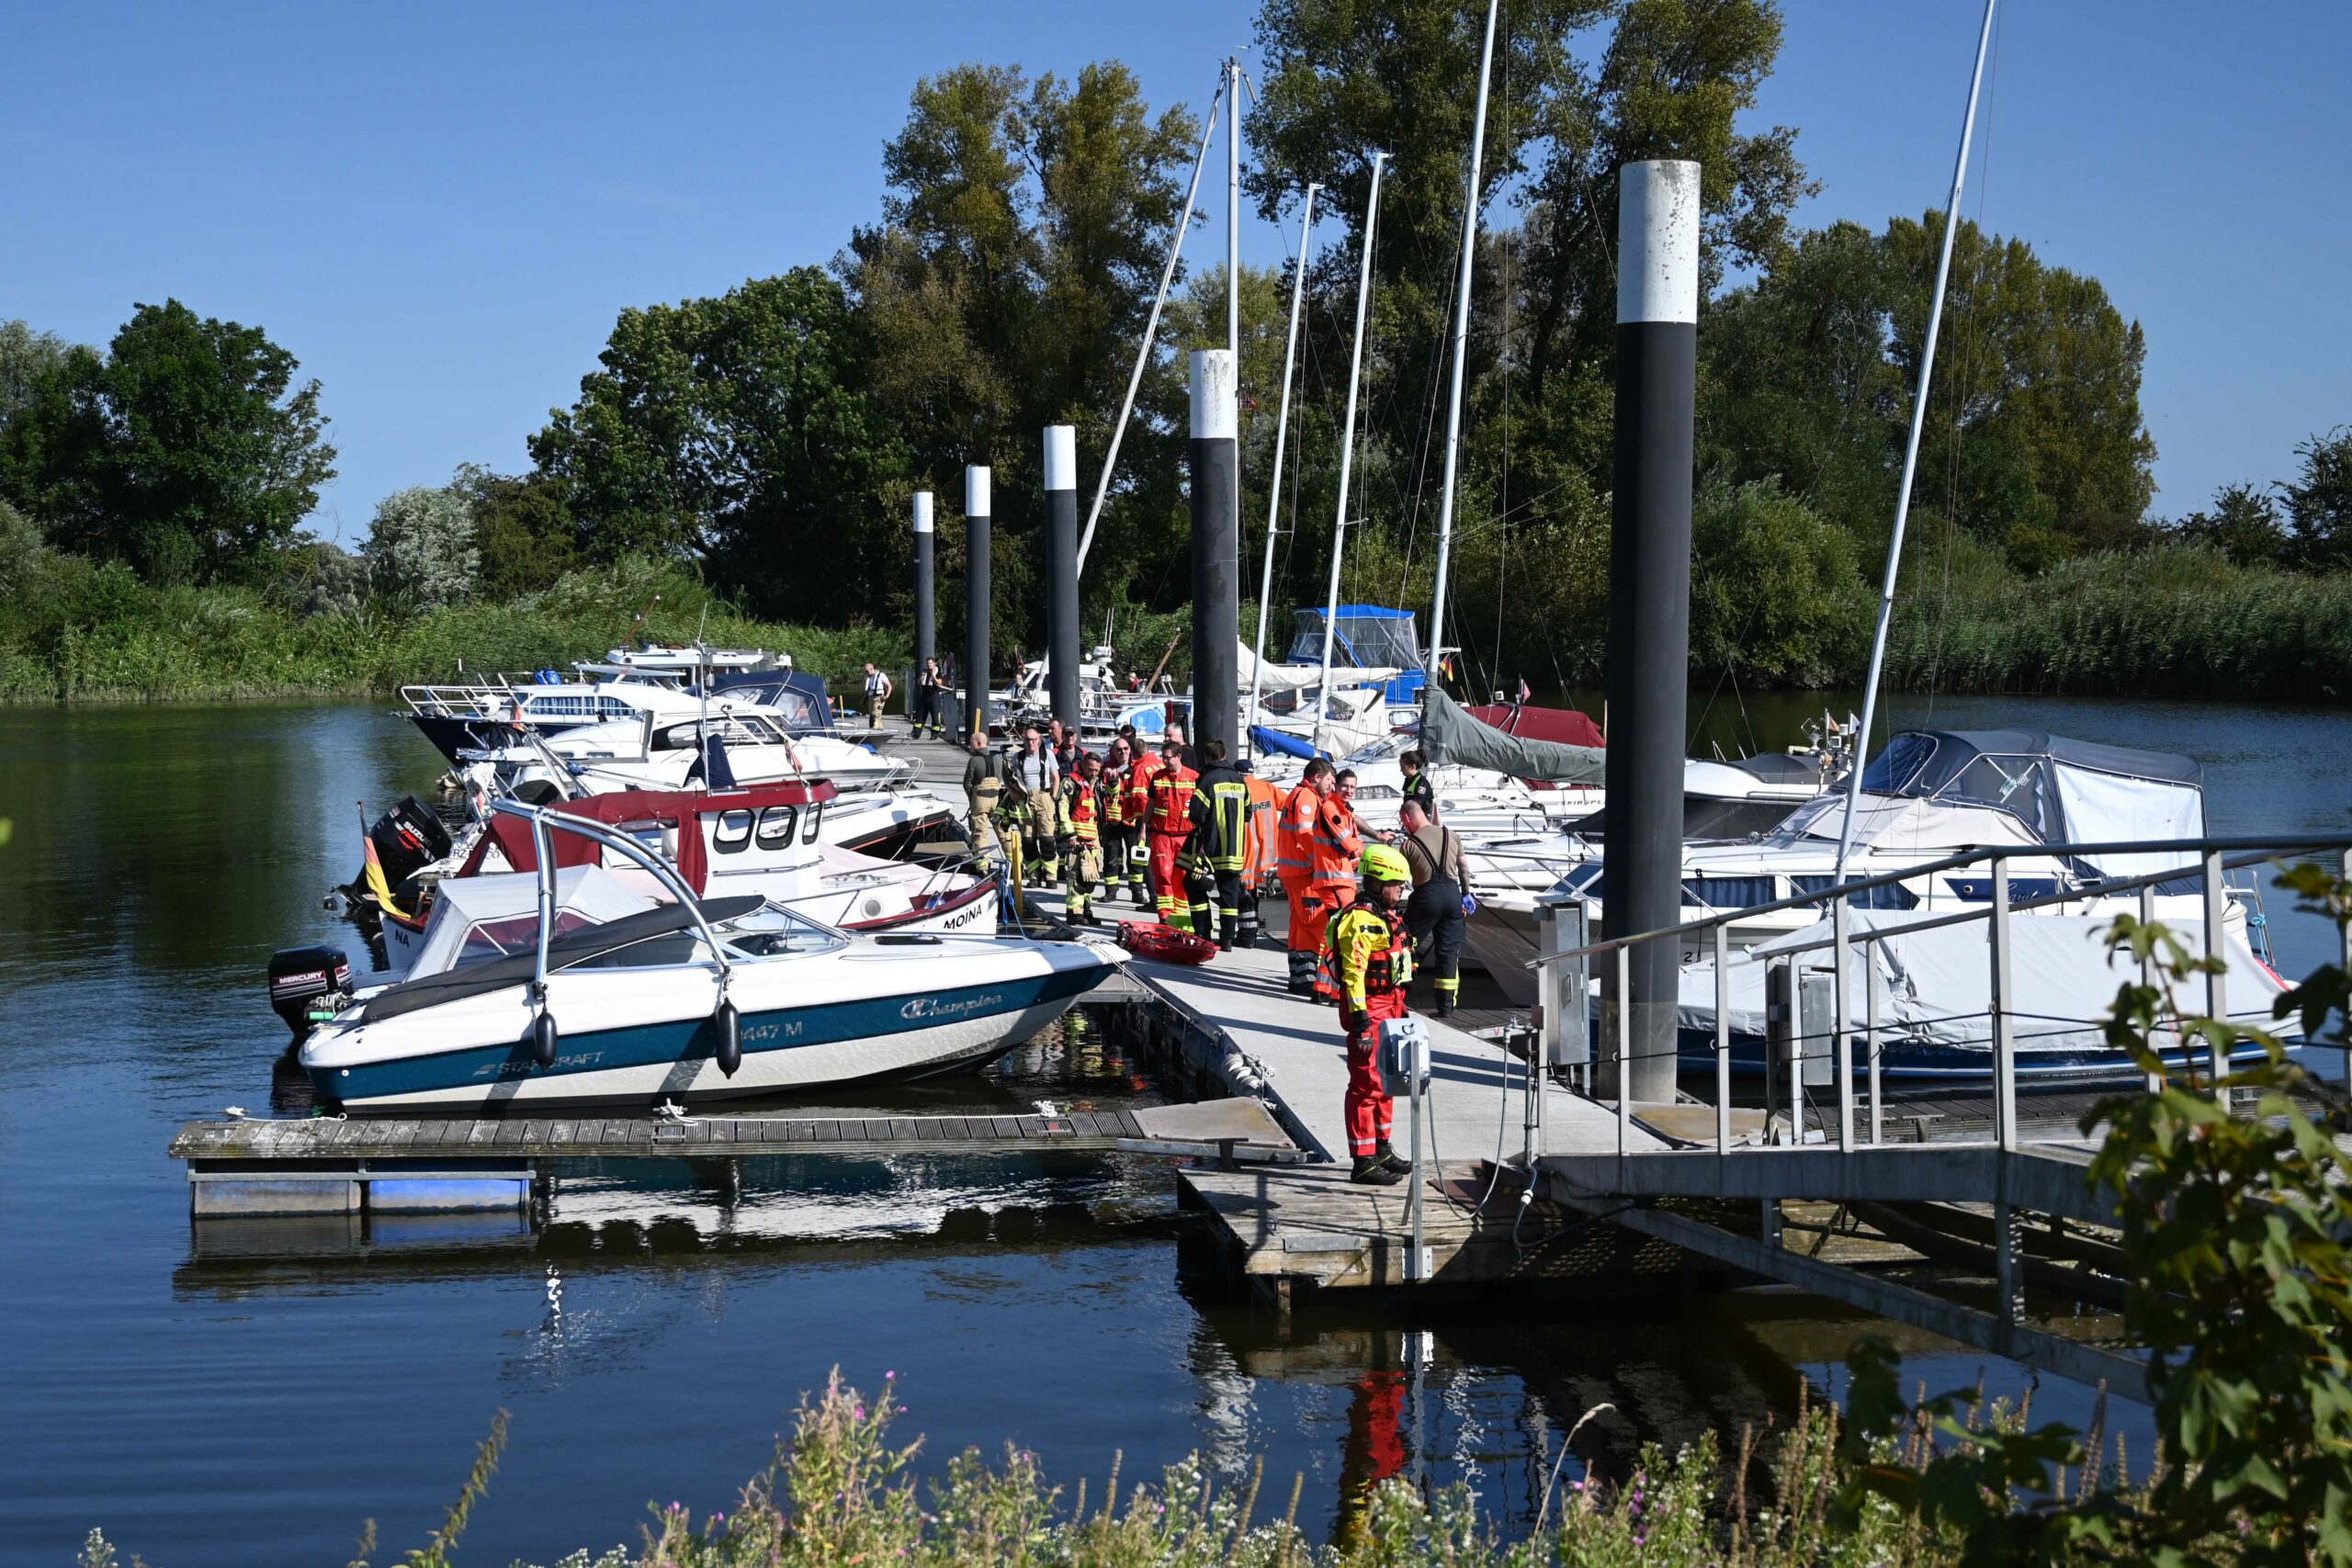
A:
x: 1818, y: 1039
x: 546, y: 823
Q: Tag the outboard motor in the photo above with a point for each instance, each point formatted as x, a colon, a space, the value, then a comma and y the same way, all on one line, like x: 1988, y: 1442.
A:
x: 300, y: 976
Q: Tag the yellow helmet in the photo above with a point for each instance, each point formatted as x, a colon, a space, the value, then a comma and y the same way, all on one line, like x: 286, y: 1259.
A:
x: 1381, y: 864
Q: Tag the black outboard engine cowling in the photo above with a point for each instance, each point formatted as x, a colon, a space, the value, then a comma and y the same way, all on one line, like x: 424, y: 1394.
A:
x: 407, y: 837
x: 300, y: 975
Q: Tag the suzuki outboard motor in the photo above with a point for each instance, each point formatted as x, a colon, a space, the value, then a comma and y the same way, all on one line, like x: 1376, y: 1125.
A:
x: 300, y: 976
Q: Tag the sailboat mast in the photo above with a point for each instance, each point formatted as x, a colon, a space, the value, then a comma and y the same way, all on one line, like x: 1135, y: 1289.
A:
x: 1281, y: 435
x: 1911, y: 457
x: 1348, y: 450
x: 1233, y: 219
x: 1461, y: 343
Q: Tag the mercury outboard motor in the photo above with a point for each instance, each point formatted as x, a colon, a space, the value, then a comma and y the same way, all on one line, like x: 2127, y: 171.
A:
x: 300, y: 976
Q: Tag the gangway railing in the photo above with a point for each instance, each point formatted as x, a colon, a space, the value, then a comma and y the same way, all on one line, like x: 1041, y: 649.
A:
x: 1801, y: 1054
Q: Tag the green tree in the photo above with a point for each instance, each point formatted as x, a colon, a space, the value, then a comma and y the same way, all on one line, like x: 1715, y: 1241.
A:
x: 2033, y: 416
x: 2244, y: 524
x: 421, y: 547
x: 189, y: 450
x: 27, y: 359
x: 2318, y: 501
x: 739, y: 431
x: 522, y: 527
x: 1023, y: 228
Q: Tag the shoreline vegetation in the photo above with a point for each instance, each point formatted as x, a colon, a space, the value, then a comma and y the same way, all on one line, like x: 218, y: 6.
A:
x: 2181, y: 621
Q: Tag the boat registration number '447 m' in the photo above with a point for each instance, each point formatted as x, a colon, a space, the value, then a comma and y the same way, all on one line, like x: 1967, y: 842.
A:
x: 932, y: 1007
x: 759, y: 1033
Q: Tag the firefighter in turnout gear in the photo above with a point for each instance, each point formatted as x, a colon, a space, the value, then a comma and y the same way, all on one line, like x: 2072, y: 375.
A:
x: 984, y: 795
x: 1035, y: 786
x: 1294, y: 865
x: 1169, y: 822
x: 1369, y: 960
x: 1121, y: 826
x: 1082, y: 838
x: 1221, y: 843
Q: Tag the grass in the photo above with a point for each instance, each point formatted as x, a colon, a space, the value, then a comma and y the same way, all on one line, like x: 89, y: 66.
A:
x: 844, y: 1490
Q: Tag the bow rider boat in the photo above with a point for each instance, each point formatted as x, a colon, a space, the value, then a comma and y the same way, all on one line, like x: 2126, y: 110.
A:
x: 689, y: 1000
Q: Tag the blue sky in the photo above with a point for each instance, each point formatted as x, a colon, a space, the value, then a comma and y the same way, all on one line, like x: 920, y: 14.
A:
x: 441, y: 208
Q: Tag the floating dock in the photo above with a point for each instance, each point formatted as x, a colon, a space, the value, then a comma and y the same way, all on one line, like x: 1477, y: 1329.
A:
x: 450, y: 1164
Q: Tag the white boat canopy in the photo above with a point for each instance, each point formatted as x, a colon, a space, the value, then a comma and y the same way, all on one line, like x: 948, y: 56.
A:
x: 476, y: 917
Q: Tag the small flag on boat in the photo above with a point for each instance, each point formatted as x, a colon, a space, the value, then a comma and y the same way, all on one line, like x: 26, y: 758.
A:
x: 1523, y: 692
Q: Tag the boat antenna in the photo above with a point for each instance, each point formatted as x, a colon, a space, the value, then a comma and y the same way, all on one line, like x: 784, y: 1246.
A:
x: 1910, y: 462
x: 1460, y: 344
x: 1282, y: 434
x: 1151, y: 329
x: 1348, y: 449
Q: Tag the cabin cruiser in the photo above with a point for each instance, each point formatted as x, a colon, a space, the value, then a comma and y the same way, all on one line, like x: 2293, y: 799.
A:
x: 498, y: 710
x: 763, y: 839
x: 685, y: 1001
x: 1920, y: 998
x: 718, y: 741
x: 1929, y: 796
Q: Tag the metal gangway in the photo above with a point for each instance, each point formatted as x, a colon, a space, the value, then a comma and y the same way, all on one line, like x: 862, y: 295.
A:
x: 1719, y: 1194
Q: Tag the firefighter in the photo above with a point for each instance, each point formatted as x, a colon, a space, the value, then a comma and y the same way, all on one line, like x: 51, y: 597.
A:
x: 1294, y: 865
x: 1082, y: 838
x: 1220, y: 846
x: 1037, y: 783
x: 1149, y: 763
x: 1371, y: 962
x: 1169, y: 822
x: 1121, y: 826
x: 1434, y: 915
x: 984, y: 794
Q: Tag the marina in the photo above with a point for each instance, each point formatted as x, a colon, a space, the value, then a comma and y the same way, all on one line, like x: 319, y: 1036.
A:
x: 1560, y: 859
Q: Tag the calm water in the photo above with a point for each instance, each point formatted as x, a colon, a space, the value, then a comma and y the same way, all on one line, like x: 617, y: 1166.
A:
x: 198, y: 1390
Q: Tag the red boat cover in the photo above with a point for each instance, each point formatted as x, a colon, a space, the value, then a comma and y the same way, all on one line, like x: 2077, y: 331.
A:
x: 1565, y: 726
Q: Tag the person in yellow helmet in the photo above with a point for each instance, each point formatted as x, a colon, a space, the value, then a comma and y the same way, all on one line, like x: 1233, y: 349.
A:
x: 1369, y: 960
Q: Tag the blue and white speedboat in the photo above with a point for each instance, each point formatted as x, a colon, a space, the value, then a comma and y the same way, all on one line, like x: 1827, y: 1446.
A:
x: 686, y: 1001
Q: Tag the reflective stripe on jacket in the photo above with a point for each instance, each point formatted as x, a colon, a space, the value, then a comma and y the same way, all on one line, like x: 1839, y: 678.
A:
x: 1371, y: 955
x: 1336, y: 845
x: 1082, y: 811
x: 1295, y: 832
x: 1220, y: 816
x: 1172, y: 800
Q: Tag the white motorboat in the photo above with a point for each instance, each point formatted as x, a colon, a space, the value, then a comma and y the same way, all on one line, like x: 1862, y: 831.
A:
x: 1927, y: 796
x: 686, y: 1001
x: 763, y: 839
x: 721, y: 742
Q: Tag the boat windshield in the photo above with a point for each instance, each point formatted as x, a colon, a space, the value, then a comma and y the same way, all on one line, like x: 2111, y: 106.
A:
x: 775, y: 931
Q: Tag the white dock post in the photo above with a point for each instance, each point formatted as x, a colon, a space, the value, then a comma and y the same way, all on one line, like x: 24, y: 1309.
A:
x: 1840, y: 923
x: 2217, y: 996
x: 1723, y: 1040
x: 2005, y: 1056
x: 1870, y: 1044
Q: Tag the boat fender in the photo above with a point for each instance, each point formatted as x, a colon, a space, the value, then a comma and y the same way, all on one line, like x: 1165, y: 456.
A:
x: 729, y: 1025
x: 543, y: 1040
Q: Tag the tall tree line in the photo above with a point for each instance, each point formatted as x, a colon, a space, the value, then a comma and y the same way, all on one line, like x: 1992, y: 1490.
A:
x: 771, y: 437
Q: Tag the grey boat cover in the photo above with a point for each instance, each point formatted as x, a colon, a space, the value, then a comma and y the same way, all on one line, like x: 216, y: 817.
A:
x: 564, y: 950
x: 1451, y: 738
x: 1934, y: 986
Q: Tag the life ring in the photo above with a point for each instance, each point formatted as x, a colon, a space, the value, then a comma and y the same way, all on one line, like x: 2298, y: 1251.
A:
x: 1165, y: 942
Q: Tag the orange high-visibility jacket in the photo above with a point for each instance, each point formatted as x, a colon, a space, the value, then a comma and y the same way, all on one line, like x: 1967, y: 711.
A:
x: 1172, y: 800
x: 1140, y: 784
x: 1262, y: 844
x: 1295, y: 834
x: 1335, y: 845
